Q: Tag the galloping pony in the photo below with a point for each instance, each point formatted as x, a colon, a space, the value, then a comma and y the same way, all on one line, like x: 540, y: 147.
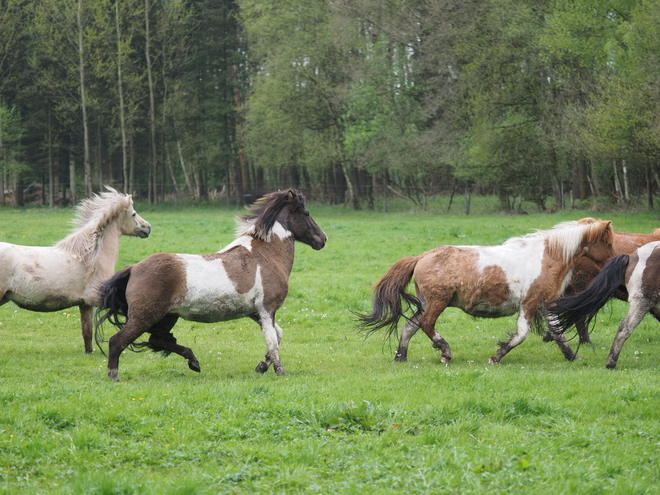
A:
x: 70, y: 272
x: 585, y: 270
x: 248, y: 278
x: 638, y: 273
x: 486, y: 281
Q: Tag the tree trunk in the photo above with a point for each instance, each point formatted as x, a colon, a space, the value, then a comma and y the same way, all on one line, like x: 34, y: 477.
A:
x: 83, y: 104
x: 51, y: 191
x: 18, y: 188
x: 626, y: 186
x: 72, y: 179
x: 4, y: 164
x: 186, y: 174
x: 617, y: 183
x: 131, y: 170
x: 152, y: 108
x: 122, y: 116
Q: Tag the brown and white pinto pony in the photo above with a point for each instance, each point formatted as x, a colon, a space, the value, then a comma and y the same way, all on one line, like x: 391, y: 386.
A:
x: 248, y: 278
x: 53, y: 278
x: 585, y: 270
x: 638, y: 273
x: 486, y: 281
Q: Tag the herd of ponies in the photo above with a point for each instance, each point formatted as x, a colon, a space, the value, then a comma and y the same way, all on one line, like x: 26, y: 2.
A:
x: 555, y: 279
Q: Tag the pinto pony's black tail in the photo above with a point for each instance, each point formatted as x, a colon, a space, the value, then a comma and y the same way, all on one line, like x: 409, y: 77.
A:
x: 389, y: 291
x: 563, y: 313
x: 112, y: 304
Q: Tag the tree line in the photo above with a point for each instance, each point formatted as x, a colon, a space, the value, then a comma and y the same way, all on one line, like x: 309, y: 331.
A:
x: 352, y: 101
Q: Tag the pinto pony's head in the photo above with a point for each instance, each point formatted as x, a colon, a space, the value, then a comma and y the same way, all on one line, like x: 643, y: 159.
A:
x: 288, y: 208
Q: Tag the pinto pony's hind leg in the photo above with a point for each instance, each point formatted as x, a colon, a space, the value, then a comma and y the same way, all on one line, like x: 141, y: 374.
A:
x: 636, y: 313
x: 162, y: 340
x: 427, y: 323
x: 86, y: 324
x: 409, y: 329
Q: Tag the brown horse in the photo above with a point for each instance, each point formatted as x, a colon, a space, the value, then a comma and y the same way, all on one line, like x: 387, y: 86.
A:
x: 486, y: 281
x: 248, y: 278
x: 638, y: 273
x: 585, y: 270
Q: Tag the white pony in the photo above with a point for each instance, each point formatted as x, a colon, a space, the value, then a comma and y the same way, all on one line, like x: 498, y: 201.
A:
x: 70, y: 272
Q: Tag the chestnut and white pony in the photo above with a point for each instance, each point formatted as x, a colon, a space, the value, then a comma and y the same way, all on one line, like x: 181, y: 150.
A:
x: 486, y: 281
x: 637, y: 273
x: 248, y: 278
x: 585, y: 270
x: 70, y: 272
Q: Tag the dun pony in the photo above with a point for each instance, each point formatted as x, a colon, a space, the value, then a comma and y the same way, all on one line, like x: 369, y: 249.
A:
x: 69, y: 273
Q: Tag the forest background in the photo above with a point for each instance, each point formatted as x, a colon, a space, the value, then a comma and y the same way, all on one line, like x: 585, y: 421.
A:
x: 351, y: 101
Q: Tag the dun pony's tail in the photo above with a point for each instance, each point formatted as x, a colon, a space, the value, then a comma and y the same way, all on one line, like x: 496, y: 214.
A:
x: 112, y: 304
x: 389, y: 291
x: 563, y: 313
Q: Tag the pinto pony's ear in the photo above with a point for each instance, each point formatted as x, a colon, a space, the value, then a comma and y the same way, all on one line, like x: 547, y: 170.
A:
x: 290, y: 195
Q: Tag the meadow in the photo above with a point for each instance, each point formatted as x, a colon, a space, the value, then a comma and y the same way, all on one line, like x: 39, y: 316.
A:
x: 346, y: 419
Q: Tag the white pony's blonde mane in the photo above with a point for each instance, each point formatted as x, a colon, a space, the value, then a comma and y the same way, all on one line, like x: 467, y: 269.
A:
x: 93, y: 215
x: 565, y: 239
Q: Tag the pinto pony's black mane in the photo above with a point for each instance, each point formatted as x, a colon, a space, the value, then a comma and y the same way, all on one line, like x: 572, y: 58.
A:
x: 263, y: 213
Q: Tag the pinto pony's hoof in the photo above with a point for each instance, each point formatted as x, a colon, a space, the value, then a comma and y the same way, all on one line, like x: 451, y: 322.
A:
x: 493, y: 360
x: 445, y: 359
x: 261, y: 367
x: 279, y: 370
x: 400, y: 358
x: 112, y: 374
x: 194, y: 365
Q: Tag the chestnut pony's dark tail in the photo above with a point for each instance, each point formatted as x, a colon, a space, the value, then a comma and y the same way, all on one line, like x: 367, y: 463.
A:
x: 389, y: 292
x: 563, y: 313
x: 113, y: 306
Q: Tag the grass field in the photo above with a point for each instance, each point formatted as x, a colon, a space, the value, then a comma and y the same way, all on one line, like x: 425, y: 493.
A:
x: 346, y: 419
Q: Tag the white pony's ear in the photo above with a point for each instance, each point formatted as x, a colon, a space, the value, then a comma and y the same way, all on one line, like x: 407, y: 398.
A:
x: 111, y: 189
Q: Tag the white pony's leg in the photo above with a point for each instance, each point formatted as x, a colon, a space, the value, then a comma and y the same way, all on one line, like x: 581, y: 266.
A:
x: 86, y: 324
x: 516, y: 339
x: 272, y: 335
x: 409, y: 329
x: 636, y: 312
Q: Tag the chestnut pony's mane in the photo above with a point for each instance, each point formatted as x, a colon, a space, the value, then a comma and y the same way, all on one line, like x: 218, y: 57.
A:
x: 261, y: 215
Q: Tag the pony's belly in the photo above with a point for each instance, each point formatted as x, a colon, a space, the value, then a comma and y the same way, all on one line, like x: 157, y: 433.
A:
x: 216, y: 307
x: 484, y: 309
x: 46, y: 303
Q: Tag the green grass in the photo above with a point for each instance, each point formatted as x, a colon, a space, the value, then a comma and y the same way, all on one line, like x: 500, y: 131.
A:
x: 346, y: 419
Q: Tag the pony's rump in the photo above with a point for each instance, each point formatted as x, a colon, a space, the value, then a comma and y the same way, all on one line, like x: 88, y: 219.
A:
x: 563, y: 313
x: 112, y: 304
x: 389, y: 291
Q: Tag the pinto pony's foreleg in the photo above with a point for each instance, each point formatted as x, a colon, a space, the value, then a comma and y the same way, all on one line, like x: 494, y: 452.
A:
x: 272, y: 335
x: 86, y: 313
x: 517, y: 338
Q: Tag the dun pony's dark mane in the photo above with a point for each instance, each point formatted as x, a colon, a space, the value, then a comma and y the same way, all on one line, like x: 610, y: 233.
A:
x: 263, y: 213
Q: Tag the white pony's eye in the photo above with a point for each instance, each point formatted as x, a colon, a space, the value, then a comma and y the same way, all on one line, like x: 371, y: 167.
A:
x: 134, y: 214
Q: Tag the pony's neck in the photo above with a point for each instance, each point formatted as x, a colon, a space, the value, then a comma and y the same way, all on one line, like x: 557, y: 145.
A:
x: 107, y: 249
x: 276, y: 250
